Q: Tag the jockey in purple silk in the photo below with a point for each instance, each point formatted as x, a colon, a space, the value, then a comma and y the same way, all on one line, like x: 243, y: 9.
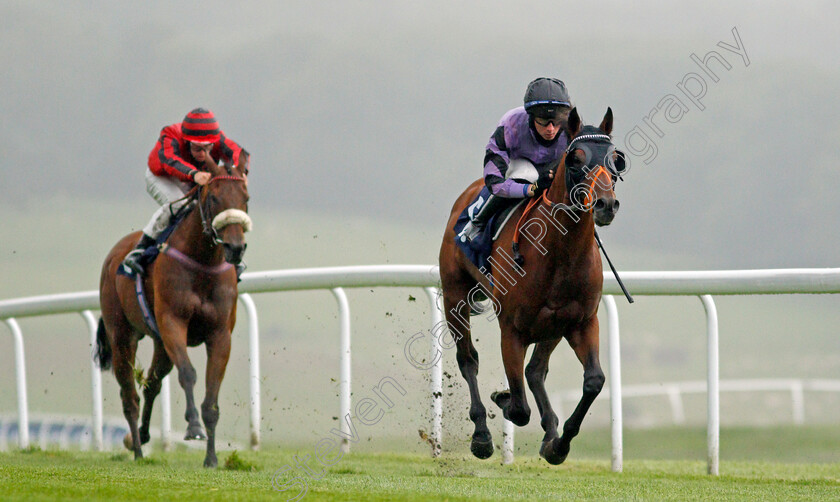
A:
x: 528, y: 141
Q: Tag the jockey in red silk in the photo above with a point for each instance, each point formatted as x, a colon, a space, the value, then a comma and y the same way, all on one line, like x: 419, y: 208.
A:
x: 175, y: 166
x: 527, y: 141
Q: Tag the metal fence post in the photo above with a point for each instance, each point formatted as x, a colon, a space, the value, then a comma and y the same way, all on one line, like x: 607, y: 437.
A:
x: 616, y: 414
x: 713, y: 377
x: 508, y: 431
x: 344, y: 326
x: 436, y: 371
x: 95, y: 384
x: 165, y: 414
x: 254, y: 364
x: 20, y: 373
x: 797, y: 399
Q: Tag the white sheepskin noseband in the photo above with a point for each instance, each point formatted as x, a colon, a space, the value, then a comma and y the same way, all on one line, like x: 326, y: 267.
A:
x: 232, y: 217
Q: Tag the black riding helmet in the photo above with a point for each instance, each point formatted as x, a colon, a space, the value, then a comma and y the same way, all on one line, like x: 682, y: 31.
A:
x: 545, y: 97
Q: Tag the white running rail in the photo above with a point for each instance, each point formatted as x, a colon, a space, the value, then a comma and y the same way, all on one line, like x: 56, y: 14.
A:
x: 673, y: 392
x: 703, y: 284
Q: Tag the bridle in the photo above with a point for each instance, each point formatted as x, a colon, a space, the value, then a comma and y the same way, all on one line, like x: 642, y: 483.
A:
x: 211, y: 227
x: 572, y: 188
x: 593, y: 173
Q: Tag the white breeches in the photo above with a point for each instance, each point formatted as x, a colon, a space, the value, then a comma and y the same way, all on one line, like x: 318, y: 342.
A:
x: 165, y: 190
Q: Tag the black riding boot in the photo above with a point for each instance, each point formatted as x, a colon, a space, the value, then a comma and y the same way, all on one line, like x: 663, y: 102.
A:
x: 479, y: 221
x: 132, y: 259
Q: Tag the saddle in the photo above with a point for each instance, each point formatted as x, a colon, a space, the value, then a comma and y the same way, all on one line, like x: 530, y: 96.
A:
x: 152, y: 252
x: 478, y: 249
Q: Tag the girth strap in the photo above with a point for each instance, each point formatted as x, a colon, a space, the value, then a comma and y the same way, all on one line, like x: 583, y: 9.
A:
x: 148, y: 316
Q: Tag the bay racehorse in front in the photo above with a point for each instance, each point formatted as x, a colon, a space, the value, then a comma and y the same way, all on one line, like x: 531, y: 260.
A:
x: 187, y: 297
x: 545, y: 286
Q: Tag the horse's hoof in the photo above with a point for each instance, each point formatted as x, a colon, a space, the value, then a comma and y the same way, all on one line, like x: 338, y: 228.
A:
x: 519, y: 417
x: 144, y: 436
x: 210, y: 462
x: 482, y: 448
x: 501, y: 398
x: 128, y: 442
x: 195, y: 433
x: 554, y: 452
x: 542, y: 447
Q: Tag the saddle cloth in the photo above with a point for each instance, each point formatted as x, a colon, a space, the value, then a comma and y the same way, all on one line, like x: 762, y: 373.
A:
x: 479, y: 249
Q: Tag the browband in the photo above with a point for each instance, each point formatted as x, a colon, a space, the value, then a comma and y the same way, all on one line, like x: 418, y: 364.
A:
x: 587, y: 137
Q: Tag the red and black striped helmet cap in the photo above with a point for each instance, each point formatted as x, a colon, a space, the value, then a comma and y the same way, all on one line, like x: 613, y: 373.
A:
x: 200, y: 126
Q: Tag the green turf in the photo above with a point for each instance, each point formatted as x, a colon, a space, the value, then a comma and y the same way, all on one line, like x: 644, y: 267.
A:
x: 53, y: 475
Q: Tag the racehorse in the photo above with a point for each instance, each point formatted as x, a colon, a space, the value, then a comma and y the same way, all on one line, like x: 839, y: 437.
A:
x: 546, y: 291
x: 192, y: 291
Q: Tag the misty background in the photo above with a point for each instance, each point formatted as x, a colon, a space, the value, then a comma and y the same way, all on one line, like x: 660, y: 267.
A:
x: 365, y: 121
x: 383, y: 109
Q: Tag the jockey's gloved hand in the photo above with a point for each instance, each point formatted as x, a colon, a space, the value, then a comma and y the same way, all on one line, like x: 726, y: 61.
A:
x: 545, y: 179
x: 202, y: 177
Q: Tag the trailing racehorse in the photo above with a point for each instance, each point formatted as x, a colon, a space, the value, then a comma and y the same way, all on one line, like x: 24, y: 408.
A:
x: 544, y: 288
x: 191, y: 293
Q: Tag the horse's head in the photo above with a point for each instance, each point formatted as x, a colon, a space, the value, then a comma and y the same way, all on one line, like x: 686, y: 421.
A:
x: 592, y: 166
x: 223, y: 204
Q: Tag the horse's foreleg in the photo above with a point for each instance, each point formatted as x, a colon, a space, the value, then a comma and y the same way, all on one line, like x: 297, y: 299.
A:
x: 513, y: 403
x: 161, y: 366
x: 535, y: 374
x: 125, y: 349
x: 174, y: 333
x: 585, y: 345
x: 458, y: 319
x: 218, y: 353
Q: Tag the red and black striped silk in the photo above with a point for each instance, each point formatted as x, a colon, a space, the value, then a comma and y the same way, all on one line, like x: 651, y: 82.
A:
x: 171, y: 154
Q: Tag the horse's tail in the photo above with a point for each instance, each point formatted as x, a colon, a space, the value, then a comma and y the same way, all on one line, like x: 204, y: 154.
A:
x: 102, y: 356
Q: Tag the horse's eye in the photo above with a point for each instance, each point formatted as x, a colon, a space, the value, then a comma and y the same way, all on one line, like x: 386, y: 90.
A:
x: 577, y: 159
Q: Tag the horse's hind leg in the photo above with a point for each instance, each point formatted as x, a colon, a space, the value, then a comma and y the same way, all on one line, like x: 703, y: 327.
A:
x: 218, y: 353
x: 535, y: 374
x: 585, y: 345
x: 125, y: 349
x: 161, y: 366
x: 458, y: 317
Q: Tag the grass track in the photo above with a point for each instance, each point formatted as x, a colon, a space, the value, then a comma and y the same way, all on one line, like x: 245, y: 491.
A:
x: 61, y: 475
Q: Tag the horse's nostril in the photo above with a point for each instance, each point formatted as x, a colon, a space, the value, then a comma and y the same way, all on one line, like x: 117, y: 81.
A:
x: 599, y: 204
x: 615, y: 205
x: 234, y: 251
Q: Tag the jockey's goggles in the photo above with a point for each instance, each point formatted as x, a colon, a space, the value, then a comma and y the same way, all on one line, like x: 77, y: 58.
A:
x: 544, y: 122
x: 201, y: 146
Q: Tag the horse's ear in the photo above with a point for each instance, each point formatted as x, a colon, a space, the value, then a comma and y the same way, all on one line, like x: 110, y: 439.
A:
x: 607, y: 123
x: 242, y: 166
x: 211, y: 166
x: 573, y: 124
